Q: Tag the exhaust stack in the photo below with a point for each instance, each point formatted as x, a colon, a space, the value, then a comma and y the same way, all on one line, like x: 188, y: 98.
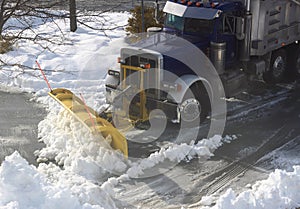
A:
x: 248, y: 5
x: 245, y: 44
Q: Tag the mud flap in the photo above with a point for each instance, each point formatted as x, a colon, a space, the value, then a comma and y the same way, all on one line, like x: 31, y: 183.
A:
x: 90, y: 118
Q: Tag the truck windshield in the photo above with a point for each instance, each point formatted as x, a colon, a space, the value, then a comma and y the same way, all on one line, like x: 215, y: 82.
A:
x: 198, y: 26
x: 190, y: 25
x: 174, y: 21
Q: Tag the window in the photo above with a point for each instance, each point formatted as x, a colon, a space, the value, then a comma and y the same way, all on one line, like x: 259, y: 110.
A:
x: 174, y: 21
x: 199, y: 26
x: 229, y: 24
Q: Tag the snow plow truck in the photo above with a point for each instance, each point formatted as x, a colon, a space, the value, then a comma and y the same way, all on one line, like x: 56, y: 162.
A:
x: 242, y: 40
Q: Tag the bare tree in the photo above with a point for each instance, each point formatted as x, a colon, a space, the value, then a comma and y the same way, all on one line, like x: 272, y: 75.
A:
x: 20, y: 20
x: 16, y: 17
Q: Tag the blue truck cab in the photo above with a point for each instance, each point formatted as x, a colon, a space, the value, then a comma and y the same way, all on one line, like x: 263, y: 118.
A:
x: 239, y: 39
x: 203, y: 23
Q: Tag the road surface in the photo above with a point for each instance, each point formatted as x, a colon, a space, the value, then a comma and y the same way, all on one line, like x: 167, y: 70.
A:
x: 264, y: 118
x: 19, y: 118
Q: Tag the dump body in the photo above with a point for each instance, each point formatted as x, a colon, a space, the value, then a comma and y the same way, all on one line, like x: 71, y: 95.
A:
x: 275, y: 23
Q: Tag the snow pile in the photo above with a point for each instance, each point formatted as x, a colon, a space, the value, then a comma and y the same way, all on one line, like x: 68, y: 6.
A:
x: 177, y: 153
x: 88, y: 161
x: 22, y: 186
x: 70, y: 144
x: 281, y: 190
x: 85, y: 190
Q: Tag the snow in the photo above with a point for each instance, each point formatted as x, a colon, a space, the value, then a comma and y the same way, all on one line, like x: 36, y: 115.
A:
x: 23, y: 186
x: 82, y: 161
x: 280, y: 190
x: 175, y: 153
x: 283, y: 157
x: 80, y: 170
x: 79, y: 65
x: 71, y: 145
x: 86, y: 161
x: 74, y: 162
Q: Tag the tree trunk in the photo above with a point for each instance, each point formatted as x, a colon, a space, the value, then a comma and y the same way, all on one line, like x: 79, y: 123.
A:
x: 73, y: 19
x: 1, y: 23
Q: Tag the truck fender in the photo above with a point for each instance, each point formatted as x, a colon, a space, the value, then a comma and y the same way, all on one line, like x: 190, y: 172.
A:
x: 186, y: 82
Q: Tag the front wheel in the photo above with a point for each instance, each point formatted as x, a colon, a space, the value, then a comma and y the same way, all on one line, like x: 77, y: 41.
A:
x: 278, y: 65
x: 194, y: 108
x: 190, y: 110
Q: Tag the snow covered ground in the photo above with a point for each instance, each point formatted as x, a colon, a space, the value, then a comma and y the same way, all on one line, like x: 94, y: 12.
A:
x: 78, y: 170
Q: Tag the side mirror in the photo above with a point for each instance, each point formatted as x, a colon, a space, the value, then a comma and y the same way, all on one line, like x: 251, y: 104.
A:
x: 240, y: 28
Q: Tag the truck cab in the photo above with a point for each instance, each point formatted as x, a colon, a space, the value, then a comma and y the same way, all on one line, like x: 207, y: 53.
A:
x: 203, y: 23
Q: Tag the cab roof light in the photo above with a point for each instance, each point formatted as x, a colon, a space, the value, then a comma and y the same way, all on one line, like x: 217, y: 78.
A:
x: 214, y: 4
x: 199, y: 4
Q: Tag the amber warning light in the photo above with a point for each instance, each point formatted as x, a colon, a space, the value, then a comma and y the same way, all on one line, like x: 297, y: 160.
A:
x: 145, y: 66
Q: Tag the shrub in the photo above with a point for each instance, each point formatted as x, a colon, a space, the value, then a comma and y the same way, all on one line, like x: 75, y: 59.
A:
x: 5, y: 46
x: 135, y: 22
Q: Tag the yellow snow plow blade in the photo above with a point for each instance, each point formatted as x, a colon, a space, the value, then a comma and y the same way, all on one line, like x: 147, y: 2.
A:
x: 90, y: 118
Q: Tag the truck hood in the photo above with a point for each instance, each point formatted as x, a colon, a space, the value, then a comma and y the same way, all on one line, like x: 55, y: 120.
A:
x: 200, y: 42
x: 180, y: 55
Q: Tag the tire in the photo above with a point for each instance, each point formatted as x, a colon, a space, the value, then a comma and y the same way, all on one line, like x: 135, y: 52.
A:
x: 278, y: 67
x: 195, y: 106
x: 294, y: 61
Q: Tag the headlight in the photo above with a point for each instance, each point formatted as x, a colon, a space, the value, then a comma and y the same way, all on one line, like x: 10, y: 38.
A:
x: 112, y: 79
x: 114, y: 73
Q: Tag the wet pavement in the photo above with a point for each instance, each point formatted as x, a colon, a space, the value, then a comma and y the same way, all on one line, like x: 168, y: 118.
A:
x: 19, y: 118
x: 264, y: 119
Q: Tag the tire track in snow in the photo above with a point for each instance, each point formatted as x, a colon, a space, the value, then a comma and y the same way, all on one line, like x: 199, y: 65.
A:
x: 287, y: 131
